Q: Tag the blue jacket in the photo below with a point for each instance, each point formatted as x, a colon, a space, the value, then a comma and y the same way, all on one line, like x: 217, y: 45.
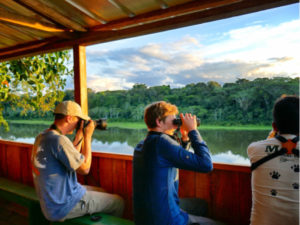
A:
x: 155, y: 178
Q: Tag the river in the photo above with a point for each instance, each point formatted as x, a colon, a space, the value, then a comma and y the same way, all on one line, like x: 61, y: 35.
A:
x: 228, y: 146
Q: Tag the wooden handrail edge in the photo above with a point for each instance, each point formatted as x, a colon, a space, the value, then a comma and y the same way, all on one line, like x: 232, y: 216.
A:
x: 217, y: 166
x: 232, y: 167
x: 16, y: 143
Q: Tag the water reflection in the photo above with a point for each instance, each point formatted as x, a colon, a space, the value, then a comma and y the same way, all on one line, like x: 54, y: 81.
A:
x: 226, y: 145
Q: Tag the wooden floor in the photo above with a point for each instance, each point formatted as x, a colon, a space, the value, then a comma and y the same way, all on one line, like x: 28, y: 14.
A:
x: 12, y: 214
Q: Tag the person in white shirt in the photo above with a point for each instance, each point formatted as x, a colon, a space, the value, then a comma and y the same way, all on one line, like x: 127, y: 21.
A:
x: 275, y: 168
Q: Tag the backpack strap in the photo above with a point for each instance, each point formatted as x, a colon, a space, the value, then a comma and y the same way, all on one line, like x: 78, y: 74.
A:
x: 267, y: 158
x: 288, y: 147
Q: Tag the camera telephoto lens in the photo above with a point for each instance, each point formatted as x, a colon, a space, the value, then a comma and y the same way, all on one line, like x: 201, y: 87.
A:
x: 101, y: 124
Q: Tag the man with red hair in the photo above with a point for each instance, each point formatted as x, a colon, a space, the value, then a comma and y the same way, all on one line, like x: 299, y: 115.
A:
x: 155, y: 167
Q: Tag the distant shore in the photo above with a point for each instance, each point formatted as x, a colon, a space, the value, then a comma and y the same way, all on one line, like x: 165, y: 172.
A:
x: 141, y: 125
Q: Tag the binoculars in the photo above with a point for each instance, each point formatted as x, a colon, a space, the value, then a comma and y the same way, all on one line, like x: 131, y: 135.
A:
x: 178, y: 122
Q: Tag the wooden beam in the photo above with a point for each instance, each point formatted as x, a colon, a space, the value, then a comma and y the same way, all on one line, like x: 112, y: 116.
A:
x: 122, y: 7
x: 246, y: 6
x: 27, y: 22
x: 80, y: 87
x: 39, y: 34
x: 27, y: 47
x: 162, y: 4
x: 86, y: 11
x: 7, y: 40
x: 14, y: 33
x: 50, y: 14
x: 163, y: 14
x: 2, y: 44
x: 9, y: 35
x: 198, y: 17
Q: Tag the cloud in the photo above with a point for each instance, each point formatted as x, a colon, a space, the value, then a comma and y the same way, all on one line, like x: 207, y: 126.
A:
x: 257, y: 42
x: 222, y: 72
x: 154, y: 51
x: 282, y: 59
x: 249, y: 52
x: 285, y: 66
x: 184, y: 43
x: 102, y: 84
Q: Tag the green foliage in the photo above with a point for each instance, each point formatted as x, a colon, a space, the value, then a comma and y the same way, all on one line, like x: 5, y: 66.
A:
x: 32, y: 84
x: 241, y: 103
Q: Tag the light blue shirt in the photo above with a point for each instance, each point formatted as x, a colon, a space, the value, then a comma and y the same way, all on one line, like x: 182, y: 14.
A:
x: 54, y: 161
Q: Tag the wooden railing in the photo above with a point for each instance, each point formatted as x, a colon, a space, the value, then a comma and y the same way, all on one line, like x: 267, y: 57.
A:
x: 227, y: 189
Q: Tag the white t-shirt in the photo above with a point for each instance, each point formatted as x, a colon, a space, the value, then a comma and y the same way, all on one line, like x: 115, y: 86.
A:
x: 275, y: 185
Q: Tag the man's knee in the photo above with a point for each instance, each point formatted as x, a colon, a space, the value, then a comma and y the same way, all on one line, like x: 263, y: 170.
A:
x: 94, y: 188
x: 118, y: 205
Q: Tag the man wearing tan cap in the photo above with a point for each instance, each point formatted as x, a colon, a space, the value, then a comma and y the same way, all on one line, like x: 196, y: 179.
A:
x: 55, y: 162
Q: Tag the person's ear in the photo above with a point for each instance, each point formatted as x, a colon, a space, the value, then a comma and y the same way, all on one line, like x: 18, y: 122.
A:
x: 68, y: 119
x: 158, y: 122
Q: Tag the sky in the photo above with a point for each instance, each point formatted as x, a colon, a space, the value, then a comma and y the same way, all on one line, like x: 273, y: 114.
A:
x: 261, y: 44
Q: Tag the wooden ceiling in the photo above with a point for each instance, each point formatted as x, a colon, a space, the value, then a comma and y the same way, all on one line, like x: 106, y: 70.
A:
x: 29, y: 27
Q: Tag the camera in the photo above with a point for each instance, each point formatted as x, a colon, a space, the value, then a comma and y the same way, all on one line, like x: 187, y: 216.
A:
x: 100, y: 124
x: 178, y: 122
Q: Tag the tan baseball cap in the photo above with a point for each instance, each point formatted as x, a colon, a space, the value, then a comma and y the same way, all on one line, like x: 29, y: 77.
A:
x: 70, y: 108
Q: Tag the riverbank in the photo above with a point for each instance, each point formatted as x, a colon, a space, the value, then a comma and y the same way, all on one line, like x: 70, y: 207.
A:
x: 141, y: 125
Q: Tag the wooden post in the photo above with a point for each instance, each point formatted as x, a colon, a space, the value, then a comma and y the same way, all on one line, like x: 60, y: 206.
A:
x: 80, y: 87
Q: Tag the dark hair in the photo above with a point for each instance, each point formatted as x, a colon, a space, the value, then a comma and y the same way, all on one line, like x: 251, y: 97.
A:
x: 158, y: 110
x: 286, y: 115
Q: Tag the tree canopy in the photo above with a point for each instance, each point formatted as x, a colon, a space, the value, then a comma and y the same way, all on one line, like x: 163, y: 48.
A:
x: 242, y: 102
x: 32, y: 84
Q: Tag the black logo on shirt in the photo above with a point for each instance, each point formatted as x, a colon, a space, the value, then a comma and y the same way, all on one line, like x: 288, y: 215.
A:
x: 272, y: 148
x: 295, y: 185
x: 273, y: 192
x: 295, y: 168
x: 275, y: 175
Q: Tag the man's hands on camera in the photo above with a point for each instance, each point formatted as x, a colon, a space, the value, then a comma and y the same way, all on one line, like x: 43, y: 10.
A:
x: 89, y: 129
x: 85, y: 130
x: 86, y: 127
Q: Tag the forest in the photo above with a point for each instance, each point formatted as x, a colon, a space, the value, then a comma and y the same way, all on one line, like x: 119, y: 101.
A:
x: 239, y: 103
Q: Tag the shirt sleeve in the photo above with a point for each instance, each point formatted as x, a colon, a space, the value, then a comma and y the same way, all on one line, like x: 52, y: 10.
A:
x: 68, y: 154
x: 175, y: 155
